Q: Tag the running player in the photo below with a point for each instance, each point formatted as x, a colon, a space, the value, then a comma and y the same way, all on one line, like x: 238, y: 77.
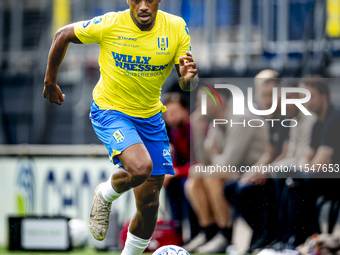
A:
x: 138, y: 48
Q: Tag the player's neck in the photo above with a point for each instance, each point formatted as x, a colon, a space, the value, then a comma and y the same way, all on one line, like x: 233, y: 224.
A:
x: 143, y: 27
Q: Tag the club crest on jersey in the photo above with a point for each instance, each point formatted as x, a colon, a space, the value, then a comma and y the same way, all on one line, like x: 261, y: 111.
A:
x: 163, y: 43
x: 118, y: 136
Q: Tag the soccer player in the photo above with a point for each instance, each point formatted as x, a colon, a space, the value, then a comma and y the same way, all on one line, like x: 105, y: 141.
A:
x: 138, y: 48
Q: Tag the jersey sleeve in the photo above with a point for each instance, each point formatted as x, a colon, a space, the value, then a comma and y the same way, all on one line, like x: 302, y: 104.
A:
x: 184, y: 44
x: 90, y: 31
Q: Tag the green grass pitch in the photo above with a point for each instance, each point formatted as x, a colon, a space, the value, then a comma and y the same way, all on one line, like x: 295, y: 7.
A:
x: 87, y: 251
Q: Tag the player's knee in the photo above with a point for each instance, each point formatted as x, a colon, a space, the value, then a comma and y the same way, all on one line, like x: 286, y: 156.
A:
x: 149, y: 209
x: 141, y: 173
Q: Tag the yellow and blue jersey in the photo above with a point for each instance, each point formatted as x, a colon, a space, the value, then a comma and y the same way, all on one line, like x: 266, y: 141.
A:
x: 134, y: 64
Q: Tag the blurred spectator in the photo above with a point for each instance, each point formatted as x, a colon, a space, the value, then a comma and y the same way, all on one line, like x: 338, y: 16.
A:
x: 298, y: 210
x: 224, y: 145
x: 251, y: 192
x: 254, y: 197
x: 264, y: 82
x: 177, y: 119
x: 293, y: 230
x: 325, y: 145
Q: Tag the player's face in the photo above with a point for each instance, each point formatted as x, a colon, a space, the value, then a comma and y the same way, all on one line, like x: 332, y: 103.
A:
x: 316, y: 101
x: 143, y: 12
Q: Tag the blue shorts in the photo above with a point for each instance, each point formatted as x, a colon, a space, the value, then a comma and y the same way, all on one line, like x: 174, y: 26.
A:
x: 118, y: 131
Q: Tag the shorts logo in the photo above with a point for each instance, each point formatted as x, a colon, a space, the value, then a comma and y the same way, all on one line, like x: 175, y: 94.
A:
x: 163, y: 43
x: 86, y: 24
x: 166, y: 152
x: 118, y: 136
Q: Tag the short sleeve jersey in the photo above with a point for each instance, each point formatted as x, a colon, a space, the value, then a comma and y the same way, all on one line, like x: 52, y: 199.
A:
x: 134, y: 64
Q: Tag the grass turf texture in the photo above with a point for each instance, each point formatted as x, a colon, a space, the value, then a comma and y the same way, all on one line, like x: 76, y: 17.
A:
x: 86, y: 251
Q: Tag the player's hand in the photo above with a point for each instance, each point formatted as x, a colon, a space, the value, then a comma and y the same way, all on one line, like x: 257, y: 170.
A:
x: 53, y: 94
x: 187, y: 67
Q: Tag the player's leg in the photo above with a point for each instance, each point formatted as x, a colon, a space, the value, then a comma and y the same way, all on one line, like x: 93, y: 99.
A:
x: 153, y: 133
x: 144, y: 221
x: 118, y: 133
x: 140, y: 147
x: 137, y: 167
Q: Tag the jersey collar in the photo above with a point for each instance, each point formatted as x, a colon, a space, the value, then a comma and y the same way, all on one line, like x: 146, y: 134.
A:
x: 137, y: 28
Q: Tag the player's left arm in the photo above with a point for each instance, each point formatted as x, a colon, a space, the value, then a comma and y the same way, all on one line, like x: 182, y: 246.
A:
x: 187, y: 72
x: 63, y: 37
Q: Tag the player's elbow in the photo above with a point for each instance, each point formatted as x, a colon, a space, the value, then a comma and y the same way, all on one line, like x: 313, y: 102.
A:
x: 59, y: 34
x: 64, y: 34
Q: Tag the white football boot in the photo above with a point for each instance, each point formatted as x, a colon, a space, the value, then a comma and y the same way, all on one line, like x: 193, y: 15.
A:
x: 99, y: 217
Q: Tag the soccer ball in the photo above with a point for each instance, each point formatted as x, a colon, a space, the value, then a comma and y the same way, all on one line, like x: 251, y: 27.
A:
x: 78, y: 232
x: 170, y: 250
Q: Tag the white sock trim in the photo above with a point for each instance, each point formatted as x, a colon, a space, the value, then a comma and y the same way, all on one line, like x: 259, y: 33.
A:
x: 109, y: 194
x: 135, y: 245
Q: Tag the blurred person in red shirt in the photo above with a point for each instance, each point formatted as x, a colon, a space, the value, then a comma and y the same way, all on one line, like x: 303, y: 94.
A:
x: 177, y: 119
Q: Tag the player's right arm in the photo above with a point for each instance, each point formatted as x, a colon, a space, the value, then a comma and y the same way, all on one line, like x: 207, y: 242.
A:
x: 61, y: 40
